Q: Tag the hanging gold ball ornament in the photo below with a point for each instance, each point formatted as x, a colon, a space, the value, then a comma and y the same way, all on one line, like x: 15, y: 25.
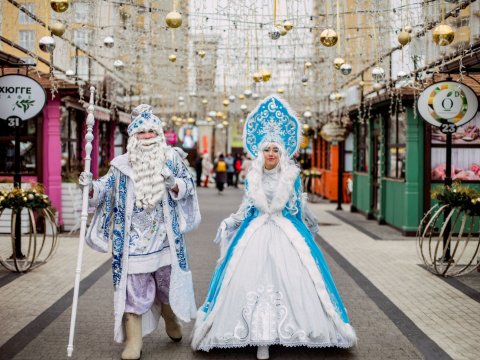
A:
x: 404, y: 38
x: 361, y: 83
x: 408, y: 29
x: 172, y: 58
x: 443, y: 35
x: 266, y: 75
x: 204, y: 101
x: 257, y: 77
x: 377, y: 87
x: 338, y: 62
x: 201, y: 53
x: 283, y: 32
x: 173, y: 20
x: 226, y: 102
x: 241, y: 97
x: 308, y: 65
x: 280, y: 90
x: 59, y: 5
x: 328, y: 37
x: 288, y: 25
x: 57, y: 28
x: 47, y: 44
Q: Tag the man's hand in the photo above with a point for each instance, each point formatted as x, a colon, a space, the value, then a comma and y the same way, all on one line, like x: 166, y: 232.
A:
x: 85, y: 178
x: 169, y: 179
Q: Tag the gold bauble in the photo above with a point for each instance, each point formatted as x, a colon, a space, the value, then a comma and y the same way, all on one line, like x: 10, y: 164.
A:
x: 287, y: 25
x: 172, y: 57
x: 308, y: 65
x: 283, y: 31
x: 443, y: 35
x: 361, y: 83
x: 191, y: 120
x: 306, y: 127
x: 59, y: 5
x: 219, y: 115
x: 280, y: 90
x: 257, y: 77
x: 241, y: 97
x: 328, y: 37
x: 225, y: 123
x: 173, y: 19
x: 204, y: 101
x: 57, y: 28
x: 266, y: 75
x: 408, y: 29
x: 226, y: 102
x: 201, y: 53
x: 338, y: 62
x: 404, y: 38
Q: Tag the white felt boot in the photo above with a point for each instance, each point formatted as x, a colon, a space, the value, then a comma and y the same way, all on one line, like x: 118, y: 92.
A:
x: 133, y: 331
x: 172, y: 325
x: 262, y: 353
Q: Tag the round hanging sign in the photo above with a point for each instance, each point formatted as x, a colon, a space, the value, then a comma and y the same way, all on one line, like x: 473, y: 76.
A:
x: 20, y: 97
x: 447, y: 105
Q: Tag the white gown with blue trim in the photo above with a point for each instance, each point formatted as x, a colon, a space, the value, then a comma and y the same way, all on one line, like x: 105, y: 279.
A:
x: 271, y: 285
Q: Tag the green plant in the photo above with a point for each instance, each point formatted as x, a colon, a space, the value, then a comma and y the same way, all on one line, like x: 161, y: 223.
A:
x: 459, y: 196
x: 17, y: 198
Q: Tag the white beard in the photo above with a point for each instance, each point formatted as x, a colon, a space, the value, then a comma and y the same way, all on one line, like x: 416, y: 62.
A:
x: 147, y: 159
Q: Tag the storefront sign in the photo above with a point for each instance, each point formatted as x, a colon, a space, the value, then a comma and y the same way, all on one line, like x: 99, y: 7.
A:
x: 448, y: 105
x: 21, y: 98
x: 170, y: 137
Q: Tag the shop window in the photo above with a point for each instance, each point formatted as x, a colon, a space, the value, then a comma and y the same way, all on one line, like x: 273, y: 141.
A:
x: 71, y: 135
x: 28, y: 148
x: 362, y: 147
x: 465, y: 152
x: 348, y: 153
x: 395, y: 146
x: 104, y: 147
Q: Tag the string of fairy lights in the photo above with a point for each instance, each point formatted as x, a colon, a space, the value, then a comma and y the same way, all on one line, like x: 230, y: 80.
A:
x: 195, y: 58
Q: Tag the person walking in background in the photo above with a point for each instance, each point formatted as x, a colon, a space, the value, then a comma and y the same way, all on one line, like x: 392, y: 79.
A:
x: 230, y: 169
x: 237, y: 165
x: 246, y: 163
x: 198, y: 169
x: 220, y: 173
x: 207, y: 168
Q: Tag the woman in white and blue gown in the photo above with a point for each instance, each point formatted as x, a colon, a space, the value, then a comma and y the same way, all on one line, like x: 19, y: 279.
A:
x: 271, y: 285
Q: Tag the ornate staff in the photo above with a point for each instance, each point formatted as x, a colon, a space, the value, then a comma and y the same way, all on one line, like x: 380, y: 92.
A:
x: 83, y: 225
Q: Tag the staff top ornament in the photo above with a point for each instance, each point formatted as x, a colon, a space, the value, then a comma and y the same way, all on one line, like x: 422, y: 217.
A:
x: 272, y: 121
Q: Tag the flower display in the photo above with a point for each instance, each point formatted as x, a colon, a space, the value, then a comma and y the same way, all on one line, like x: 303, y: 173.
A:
x: 456, y: 195
x: 34, y: 198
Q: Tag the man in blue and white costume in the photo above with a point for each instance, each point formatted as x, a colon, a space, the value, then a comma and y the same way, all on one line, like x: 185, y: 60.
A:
x: 271, y: 285
x: 144, y: 205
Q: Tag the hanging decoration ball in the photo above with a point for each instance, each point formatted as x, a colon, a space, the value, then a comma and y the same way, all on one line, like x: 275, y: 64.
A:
x: 280, y: 90
x: 231, y: 98
x: 338, y: 62
x: 346, y: 69
x: 59, y: 5
x: 336, y: 96
x: 304, y: 79
x: 209, y: 119
x: 243, y: 107
x: 212, y: 113
x: 308, y: 65
x: 408, y: 29
x: 404, y: 38
x: 172, y: 58
x: 328, y: 37
x: 378, y: 73
x: 307, y: 114
x: 118, y: 65
x: 46, y: 44
x: 70, y: 73
x: 361, y: 83
x: 241, y: 97
x: 266, y: 75
x: 288, y: 25
x: 402, y: 75
x: 108, y: 42
x: 247, y: 93
x: 282, y: 30
x: 57, y: 28
x: 377, y: 86
x: 181, y: 98
x: 274, y: 33
x: 257, y: 77
x: 306, y: 127
x: 219, y: 114
x: 255, y: 96
x: 226, y: 103
x: 204, y: 101
x: 191, y: 120
x: 201, y: 53
x: 443, y: 35
x: 173, y: 20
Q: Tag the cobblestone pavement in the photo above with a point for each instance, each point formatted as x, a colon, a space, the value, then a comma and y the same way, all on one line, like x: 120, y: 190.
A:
x: 399, y: 310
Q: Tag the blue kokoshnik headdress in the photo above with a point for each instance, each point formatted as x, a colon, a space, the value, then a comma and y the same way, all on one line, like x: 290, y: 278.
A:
x: 272, y: 121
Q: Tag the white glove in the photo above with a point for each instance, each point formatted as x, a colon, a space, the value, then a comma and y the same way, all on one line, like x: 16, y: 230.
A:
x: 168, y: 176
x: 85, y: 179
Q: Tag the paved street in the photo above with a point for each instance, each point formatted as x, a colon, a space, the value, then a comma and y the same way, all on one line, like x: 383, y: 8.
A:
x: 399, y: 310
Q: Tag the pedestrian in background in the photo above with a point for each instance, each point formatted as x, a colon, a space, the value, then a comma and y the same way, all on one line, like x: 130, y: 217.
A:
x: 207, y: 168
x: 198, y: 169
x: 246, y: 163
x: 237, y: 165
x: 230, y: 169
x: 220, y: 173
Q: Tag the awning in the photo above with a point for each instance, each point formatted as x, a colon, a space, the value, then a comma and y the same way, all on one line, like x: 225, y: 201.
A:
x: 124, y: 118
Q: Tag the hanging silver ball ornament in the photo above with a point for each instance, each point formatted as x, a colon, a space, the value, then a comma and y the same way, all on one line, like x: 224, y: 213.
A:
x: 378, y: 73
x: 346, y: 69
x: 338, y: 62
x: 108, y: 42
x: 59, y: 5
x: 118, y: 65
x: 70, y: 73
x: 404, y: 38
x: 328, y: 37
x: 231, y: 98
x: 304, y: 79
x: 181, y: 98
x: 212, y: 114
x: 288, y: 25
x: 57, y: 28
x: 47, y: 44
x: 408, y: 29
x: 243, y: 107
x: 274, y: 33
x: 255, y: 96
x: 307, y: 114
x: 204, y: 101
x: 173, y: 20
x: 402, y: 75
x: 377, y: 86
x: 247, y: 93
